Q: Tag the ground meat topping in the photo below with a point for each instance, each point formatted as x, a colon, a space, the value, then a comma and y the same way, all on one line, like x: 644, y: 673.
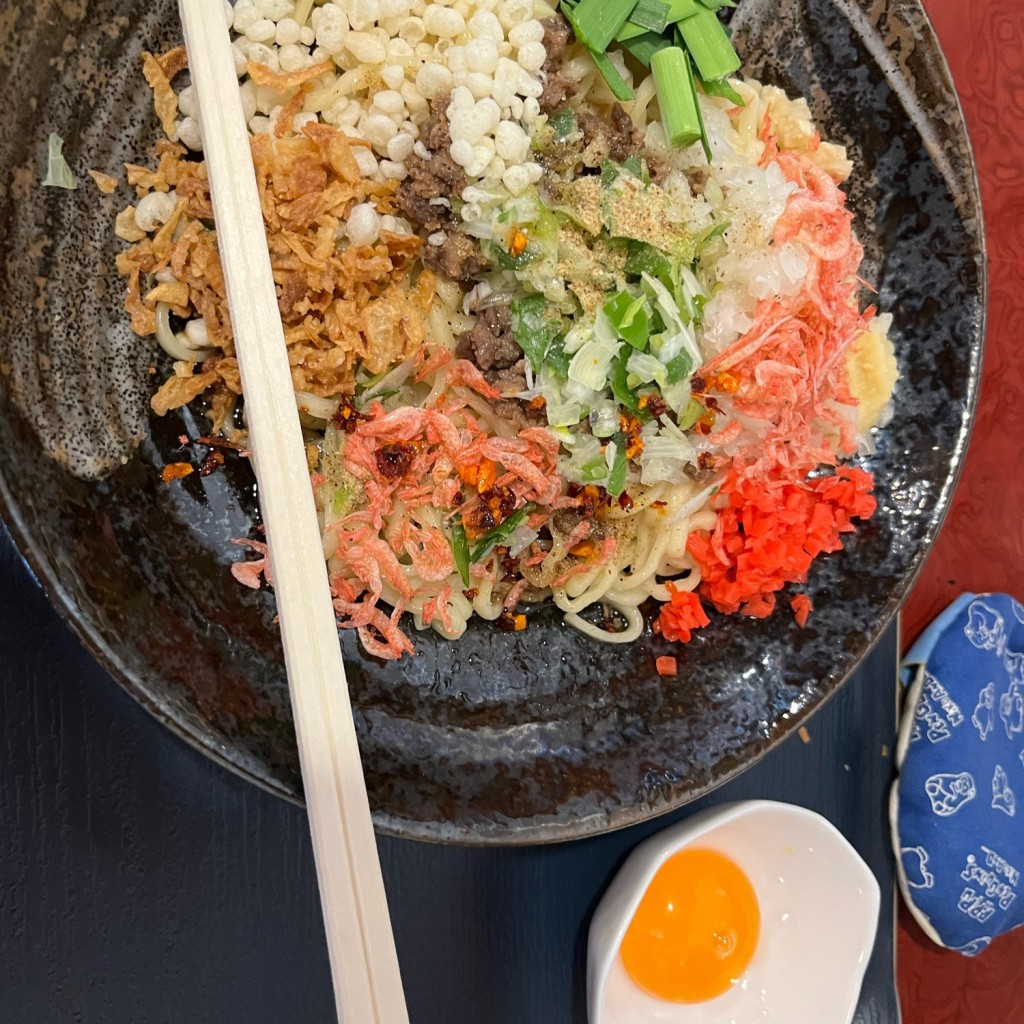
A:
x: 426, y: 183
x: 613, y: 139
x: 458, y: 257
x: 425, y: 198
x: 625, y: 140
x: 489, y: 342
x: 510, y: 380
x: 433, y: 178
x: 558, y: 88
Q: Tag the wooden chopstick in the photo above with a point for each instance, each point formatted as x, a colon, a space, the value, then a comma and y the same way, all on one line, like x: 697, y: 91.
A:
x: 364, y: 964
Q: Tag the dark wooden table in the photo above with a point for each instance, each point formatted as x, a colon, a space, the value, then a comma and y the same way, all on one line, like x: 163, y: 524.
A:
x: 142, y: 884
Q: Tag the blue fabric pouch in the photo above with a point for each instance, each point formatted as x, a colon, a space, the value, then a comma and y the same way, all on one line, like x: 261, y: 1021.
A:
x: 957, y: 808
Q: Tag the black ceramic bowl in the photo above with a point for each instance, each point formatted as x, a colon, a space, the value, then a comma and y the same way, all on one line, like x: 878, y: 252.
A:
x: 529, y: 737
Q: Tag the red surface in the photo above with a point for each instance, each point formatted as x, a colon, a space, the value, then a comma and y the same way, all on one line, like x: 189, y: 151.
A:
x: 981, y: 546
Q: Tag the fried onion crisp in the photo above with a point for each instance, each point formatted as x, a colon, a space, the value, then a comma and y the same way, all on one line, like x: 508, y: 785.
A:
x: 165, y: 101
x: 341, y: 306
x: 174, y: 293
x: 126, y: 228
x: 178, y: 391
x: 104, y: 182
x: 165, y: 177
x: 262, y: 75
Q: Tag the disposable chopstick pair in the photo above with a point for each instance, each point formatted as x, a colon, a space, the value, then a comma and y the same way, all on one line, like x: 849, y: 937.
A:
x: 367, y: 983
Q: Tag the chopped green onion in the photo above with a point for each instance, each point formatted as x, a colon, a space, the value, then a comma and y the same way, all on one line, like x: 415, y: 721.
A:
x: 714, y: 5
x: 610, y: 172
x: 506, y: 261
x: 709, y: 45
x: 562, y: 123
x: 596, y: 22
x: 673, y: 81
x: 628, y: 32
x: 722, y: 89
x: 628, y: 315
x: 617, y: 476
x: 460, y: 551
x: 682, y: 9
x: 58, y: 173
x: 501, y: 532
x: 618, y: 85
x: 677, y: 11
x: 635, y: 165
x: 707, y: 236
x: 594, y: 469
x: 652, y: 15
x: 645, y: 46
x: 558, y: 359
x: 705, y: 144
x: 688, y: 70
x: 535, y: 327
x: 644, y: 258
x: 620, y: 385
x: 679, y: 368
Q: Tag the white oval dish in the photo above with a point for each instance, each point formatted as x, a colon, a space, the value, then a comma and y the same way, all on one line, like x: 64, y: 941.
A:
x: 819, y: 912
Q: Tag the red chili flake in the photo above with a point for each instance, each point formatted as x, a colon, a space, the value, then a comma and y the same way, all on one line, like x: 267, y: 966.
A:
x: 506, y: 622
x: 589, y: 498
x: 500, y: 500
x: 394, y: 459
x: 477, y: 521
x: 698, y: 385
x: 625, y: 501
x: 348, y: 417
x: 492, y: 509
x: 631, y: 427
x: 655, y: 405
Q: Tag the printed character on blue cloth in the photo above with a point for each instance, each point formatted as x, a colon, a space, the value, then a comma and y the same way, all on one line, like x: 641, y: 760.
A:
x: 956, y: 831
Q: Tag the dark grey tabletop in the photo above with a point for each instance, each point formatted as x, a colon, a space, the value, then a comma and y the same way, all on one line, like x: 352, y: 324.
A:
x: 141, y: 884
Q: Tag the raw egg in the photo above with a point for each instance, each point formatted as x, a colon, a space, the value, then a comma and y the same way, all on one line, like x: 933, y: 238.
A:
x: 750, y: 913
x: 695, y: 930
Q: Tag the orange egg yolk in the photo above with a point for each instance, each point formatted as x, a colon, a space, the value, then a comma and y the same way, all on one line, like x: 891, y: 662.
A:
x: 695, y: 930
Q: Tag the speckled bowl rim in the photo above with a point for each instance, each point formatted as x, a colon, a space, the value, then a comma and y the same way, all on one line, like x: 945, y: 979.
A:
x: 564, y: 830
